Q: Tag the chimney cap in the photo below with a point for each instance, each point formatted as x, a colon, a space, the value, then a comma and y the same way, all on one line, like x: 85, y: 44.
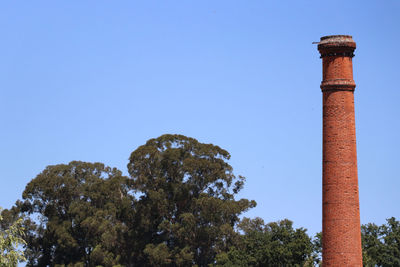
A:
x: 337, y: 37
x: 338, y: 43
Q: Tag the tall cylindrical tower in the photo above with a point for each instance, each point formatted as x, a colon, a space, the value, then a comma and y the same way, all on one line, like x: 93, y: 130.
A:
x: 341, y: 234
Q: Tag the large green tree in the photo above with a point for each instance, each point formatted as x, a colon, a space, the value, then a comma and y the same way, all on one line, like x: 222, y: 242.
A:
x: 186, y: 211
x: 75, y: 214
x: 272, y: 244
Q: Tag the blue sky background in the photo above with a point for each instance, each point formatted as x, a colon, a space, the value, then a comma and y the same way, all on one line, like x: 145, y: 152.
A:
x: 93, y: 80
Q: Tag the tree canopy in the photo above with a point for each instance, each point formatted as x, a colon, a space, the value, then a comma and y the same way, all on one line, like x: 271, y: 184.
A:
x: 177, y: 207
x: 187, y: 211
x: 381, y: 244
x: 272, y: 244
x: 74, y: 214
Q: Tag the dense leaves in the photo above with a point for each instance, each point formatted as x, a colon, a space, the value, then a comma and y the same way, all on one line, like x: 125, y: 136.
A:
x: 272, y: 244
x: 187, y: 211
x: 86, y: 214
x: 74, y: 213
x: 176, y: 208
x: 381, y: 244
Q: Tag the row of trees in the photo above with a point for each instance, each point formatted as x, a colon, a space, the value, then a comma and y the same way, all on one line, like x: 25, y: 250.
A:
x: 176, y: 208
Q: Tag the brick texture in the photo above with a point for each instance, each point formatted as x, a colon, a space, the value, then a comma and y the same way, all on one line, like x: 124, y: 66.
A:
x: 341, y: 236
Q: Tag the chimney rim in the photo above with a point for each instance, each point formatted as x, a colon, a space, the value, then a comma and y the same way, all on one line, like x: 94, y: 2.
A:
x: 337, y: 36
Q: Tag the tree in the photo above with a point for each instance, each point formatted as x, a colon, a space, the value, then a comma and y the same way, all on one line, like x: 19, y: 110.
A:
x: 371, y: 245
x: 391, y: 238
x: 11, y: 238
x: 381, y: 244
x: 74, y: 215
x: 186, y: 211
x: 317, y: 249
x: 272, y: 244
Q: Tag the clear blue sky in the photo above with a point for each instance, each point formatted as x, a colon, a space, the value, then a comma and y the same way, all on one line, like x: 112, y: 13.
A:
x: 93, y: 80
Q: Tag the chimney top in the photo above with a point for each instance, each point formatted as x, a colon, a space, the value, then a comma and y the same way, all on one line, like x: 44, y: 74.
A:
x: 337, y: 37
x: 336, y: 44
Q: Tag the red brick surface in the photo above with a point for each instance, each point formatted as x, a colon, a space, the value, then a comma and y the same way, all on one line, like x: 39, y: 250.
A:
x: 341, y: 244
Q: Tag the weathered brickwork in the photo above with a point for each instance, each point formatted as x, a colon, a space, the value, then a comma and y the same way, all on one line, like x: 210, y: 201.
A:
x: 341, y: 244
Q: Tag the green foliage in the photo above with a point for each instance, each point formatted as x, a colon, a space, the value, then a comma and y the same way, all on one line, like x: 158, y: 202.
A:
x: 187, y: 211
x: 177, y: 208
x: 11, y: 238
x: 317, y: 249
x: 273, y: 244
x: 381, y: 244
x: 85, y: 214
x: 74, y: 215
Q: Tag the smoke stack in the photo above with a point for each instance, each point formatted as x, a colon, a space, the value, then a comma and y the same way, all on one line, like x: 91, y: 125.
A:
x: 341, y: 234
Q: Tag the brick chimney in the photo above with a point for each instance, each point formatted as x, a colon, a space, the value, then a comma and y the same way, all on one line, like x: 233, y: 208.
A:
x: 341, y: 234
